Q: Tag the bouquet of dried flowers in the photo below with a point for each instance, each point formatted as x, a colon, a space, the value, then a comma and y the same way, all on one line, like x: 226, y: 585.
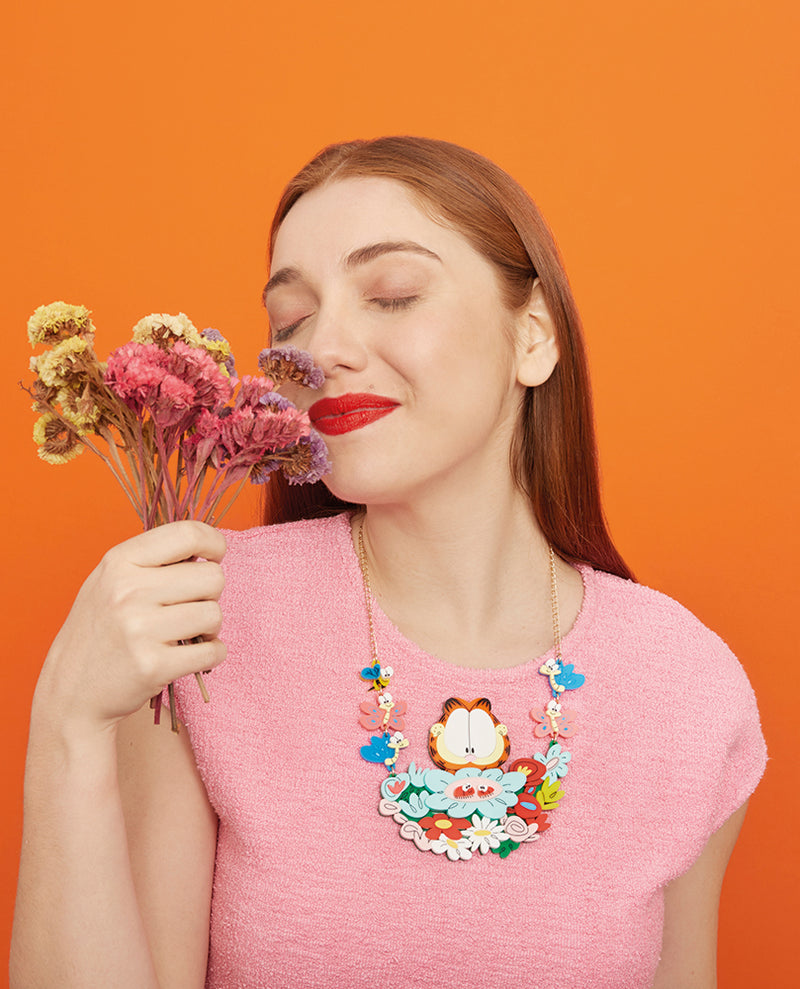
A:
x: 169, y: 417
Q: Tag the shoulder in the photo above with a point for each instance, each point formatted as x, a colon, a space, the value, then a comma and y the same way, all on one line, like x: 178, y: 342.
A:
x: 650, y: 647
x: 289, y: 546
x: 690, y: 694
x: 651, y: 627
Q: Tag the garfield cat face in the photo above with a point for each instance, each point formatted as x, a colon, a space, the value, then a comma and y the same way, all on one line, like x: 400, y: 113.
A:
x: 468, y: 734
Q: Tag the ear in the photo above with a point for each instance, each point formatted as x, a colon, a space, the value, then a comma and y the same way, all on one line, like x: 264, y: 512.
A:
x: 537, y: 350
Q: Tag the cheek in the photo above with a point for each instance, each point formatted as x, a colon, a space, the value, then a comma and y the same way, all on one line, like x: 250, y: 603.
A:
x: 303, y: 398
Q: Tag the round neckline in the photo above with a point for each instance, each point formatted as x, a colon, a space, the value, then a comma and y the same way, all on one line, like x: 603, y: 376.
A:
x: 386, y: 629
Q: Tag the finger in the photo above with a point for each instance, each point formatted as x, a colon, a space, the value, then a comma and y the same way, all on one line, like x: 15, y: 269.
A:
x: 196, y: 580
x: 186, y: 621
x: 193, y: 657
x: 172, y: 543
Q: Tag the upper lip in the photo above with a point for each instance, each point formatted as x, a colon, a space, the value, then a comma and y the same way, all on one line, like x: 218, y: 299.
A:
x: 340, y: 405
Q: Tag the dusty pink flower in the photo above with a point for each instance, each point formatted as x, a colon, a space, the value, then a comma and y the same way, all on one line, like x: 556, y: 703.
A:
x: 252, y: 388
x: 135, y: 372
x: 249, y: 433
x: 173, y: 402
x: 203, y: 442
x: 197, y: 368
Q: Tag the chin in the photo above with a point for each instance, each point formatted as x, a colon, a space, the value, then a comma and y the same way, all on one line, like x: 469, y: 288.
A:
x: 360, y: 490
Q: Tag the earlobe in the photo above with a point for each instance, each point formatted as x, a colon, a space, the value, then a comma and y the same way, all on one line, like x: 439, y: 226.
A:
x: 537, y: 346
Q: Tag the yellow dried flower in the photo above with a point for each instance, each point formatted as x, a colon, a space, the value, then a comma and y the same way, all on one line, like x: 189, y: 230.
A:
x: 57, y: 366
x: 220, y: 350
x: 57, y: 442
x: 58, y: 321
x: 43, y: 397
x: 79, y: 408
x: 163, y: 330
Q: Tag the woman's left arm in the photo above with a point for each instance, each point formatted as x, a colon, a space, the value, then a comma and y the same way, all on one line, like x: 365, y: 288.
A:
x: 691, y: 907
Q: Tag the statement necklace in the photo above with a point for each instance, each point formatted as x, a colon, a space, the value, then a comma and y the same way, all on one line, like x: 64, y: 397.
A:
x: 468, y: 804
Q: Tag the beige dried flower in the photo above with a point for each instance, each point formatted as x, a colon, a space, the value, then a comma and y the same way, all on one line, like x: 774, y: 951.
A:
x: 163, y: 330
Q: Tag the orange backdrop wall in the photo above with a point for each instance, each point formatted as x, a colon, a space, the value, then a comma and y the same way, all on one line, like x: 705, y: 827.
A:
x: 146, y: 145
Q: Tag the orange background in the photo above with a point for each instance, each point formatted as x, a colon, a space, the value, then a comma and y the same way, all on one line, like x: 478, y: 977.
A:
x: 147, y: 145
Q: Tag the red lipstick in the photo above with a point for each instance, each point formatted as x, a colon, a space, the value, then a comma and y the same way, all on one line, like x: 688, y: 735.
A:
x: 343, y: 414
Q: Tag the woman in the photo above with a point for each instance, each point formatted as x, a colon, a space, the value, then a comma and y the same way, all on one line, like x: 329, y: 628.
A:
x: 456, y: 408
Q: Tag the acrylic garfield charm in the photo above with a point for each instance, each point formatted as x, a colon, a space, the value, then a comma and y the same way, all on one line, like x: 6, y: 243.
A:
x: 468, y: 734
x: 468, y: 804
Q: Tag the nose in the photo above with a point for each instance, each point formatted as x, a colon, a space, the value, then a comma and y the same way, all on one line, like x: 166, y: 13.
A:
x: 335, y: 342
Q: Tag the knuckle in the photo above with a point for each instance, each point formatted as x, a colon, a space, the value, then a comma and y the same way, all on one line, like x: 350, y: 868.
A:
x: 132, y: 624
x: 217, y: 652
x: 214, y: 616
x: 217, y: 575
x: 121, y: 592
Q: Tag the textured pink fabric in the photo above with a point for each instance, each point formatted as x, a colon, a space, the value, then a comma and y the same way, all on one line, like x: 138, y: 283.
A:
x: 314, y: 889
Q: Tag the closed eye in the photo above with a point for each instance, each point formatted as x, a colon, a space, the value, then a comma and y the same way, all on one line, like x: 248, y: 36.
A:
x: 392, y: 305
x: 285, y: 332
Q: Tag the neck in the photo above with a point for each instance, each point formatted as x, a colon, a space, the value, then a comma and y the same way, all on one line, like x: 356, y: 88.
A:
x: 467, y: 584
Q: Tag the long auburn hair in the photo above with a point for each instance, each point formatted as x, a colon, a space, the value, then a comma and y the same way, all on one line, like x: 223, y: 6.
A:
x: 553, y: 454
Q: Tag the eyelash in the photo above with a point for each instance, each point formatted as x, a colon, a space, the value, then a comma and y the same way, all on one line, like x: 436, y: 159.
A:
x: 389, y: 305
x: 392, y: 305
x: 286, y: 331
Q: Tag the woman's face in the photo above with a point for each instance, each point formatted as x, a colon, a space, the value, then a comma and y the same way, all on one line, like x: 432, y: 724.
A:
x: 405, y: 318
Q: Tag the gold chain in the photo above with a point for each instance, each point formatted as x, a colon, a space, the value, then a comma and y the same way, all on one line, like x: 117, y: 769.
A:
x: 362, y: 559
x: 554, y: 603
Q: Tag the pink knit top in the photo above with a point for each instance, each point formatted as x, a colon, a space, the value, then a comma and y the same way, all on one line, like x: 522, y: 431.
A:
x: 313, y: 888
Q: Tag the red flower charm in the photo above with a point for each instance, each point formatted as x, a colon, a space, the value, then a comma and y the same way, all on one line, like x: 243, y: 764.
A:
x: 526, y: 806
x: 442, y: 826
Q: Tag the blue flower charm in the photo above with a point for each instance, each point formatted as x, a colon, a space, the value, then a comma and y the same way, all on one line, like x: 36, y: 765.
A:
x: 555, y: 761
x: 489, y: 792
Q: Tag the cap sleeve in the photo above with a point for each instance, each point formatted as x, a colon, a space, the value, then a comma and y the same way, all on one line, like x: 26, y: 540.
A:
x: 744, y: 756
x: 725, y: 754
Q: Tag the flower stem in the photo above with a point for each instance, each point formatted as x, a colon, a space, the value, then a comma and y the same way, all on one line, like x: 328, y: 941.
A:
x: 210, y: 514
x: 202, y: 685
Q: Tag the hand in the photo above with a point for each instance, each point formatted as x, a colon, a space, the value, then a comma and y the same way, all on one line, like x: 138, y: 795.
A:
x: 120, y: 644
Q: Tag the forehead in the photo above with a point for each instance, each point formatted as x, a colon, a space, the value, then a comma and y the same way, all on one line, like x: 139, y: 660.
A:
x: 328, y: 223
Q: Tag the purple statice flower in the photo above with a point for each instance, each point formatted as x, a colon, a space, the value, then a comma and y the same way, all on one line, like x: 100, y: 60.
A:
x: 290, y: 364
x: 275, y: 400
x: 261, y: 472
x: 310, y: 461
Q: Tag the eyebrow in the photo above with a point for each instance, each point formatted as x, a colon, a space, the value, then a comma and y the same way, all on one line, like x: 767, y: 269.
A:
x: 362, y: 255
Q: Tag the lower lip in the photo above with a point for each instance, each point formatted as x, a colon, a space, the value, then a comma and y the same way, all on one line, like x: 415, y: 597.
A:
x: 336, y: 425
